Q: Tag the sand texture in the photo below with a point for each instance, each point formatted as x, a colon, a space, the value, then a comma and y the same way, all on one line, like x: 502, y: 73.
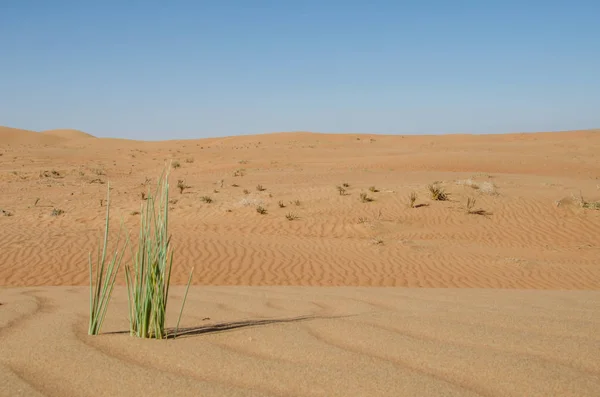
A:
x: 424, y: 301
x: 309, y: 341
x: 533, y: 233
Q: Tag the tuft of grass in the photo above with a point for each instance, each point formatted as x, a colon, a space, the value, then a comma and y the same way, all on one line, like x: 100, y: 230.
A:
x: 362, y: 220
x: 373, y: 189
x: 281, y: 204
x: 176, y: 164
x: 297, y: 203
x: 364, y: 198
x: 346, y: 185
x: 341, y: 190
x: 57, y: 212
x: 6, y: 212
x: 260, y: 188
x: 591, y: 205
x: 189, y: 160
x: 246, y: 191
x: 239, y: 172
x: 290, y: 216
x: 261, y: 210
x: 206, y: 199
x: 412, y: 199
x: 148, y: 278
x: 377, y: 241
x: 471, y: 208
x: 182, y: 186
x: 103, y: 276
x: 437, y: 192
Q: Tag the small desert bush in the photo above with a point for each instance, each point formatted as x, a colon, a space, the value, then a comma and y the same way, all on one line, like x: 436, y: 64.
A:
x: 296, y: 203
x: 175, y: 164
x: 364, y: 198
x: 290, y: 216
x: 181, y: 185
x: 57, y: 212
x: 260, y: 188
x: 206, y: 199
x: 373, y: 189
x: 239, y: 172
x: 471, y: 208
x: 189, y: 160
x: 6, y: 213
x: 341, y: 190
x: 591, y: 205
x: 246, y: 191
x: 437, y: 192
x: 261, y: 210
x: 281, y: 204
x: 346, y: 185
x: 412, y: 199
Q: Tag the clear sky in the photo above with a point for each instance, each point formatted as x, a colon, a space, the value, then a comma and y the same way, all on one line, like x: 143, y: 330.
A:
x: 185, y: 69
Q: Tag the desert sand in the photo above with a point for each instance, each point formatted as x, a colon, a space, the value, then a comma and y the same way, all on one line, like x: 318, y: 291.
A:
x: 425, y: 301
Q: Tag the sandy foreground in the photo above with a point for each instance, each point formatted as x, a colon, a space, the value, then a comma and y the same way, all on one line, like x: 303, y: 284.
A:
x: 504, y: 303
x: 309, y: 341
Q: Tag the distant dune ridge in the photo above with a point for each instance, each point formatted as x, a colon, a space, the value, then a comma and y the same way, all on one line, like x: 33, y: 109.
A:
x: 475, y: 323
x: 15, y: 136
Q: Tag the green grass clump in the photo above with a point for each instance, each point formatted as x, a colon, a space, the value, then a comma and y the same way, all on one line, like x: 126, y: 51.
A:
x: 102, y: 278
x: 149, y: 277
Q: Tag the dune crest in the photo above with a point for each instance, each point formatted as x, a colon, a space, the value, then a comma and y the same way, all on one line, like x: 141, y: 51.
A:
x: 68, y: 134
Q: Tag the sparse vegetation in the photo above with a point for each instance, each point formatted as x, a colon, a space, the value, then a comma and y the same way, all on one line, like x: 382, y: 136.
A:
x: 189, y: 160
x: 471, y: 208
x: 412, y: 199
x: 281, y: 204
x: 181, y: 185
x: 591, y: 205
x: 373, y: 189
x: 261, y: 210
x: 297, y: 203
x: 246, y: 191
x: 148, y: 279
x: 239, y: 172
x: 57, y: 212
x: 437, y: 192
x: 378, y: 241
x: 341, y: 190
x: 102, y: 278
x: 346, y: 185
x: 362, y: 220
x: 365, y: 198
x: 235, y: 185
x: 260, y: 188
x: 6, y: 213
x: 143, y: 195
x: 206, y: 199
x: 98, y: 181
x: 134, y: 213
x: 175, y: 164
x: 290, y: 216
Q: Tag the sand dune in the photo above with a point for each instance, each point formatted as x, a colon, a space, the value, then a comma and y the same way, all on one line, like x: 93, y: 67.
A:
x: 68, y: 134
x: 306, y: 341
x: 15, y: 136
x: 252, y: 325
x: 536, y: 236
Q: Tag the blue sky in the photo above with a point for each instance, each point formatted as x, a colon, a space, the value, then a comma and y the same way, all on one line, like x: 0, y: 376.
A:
x: 186, y: 69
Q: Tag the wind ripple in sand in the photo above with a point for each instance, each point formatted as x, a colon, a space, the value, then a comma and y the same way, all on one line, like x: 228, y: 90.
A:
x: 306, y: 341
